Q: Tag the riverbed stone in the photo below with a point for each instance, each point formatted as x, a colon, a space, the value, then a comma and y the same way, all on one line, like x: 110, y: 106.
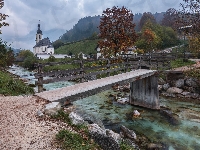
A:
x: 191, y: 82
x: 76, y: 119
x: 171, y: 117
x: 179, y: 83
x: 185, y: 93
x: 100, y: 137
x: 174, y: 90
x: 128, y: 133
x: 160, y: 87
x: 114, y: 135
x: 166, y: 86
x: 194, y: 95
x: 52, y: 108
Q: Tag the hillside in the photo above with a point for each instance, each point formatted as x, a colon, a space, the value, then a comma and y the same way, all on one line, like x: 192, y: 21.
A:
x: 87, y: 26
x: 85, y: 46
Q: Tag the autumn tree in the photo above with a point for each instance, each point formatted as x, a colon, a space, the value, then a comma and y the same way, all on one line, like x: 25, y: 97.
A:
x: 169, y: 18
x: 188, y: 22
x: 2, y: 16
x: 116, y: 31
x: 146, y: 17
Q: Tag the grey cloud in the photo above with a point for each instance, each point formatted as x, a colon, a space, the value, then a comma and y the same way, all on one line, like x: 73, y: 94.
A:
x: 63, y: 14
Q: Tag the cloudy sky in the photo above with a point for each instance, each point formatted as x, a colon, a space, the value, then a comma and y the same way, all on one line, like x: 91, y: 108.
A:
x: 57, y: 16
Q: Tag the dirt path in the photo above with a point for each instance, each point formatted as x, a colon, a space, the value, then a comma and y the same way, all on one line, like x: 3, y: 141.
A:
x: 21, y: 129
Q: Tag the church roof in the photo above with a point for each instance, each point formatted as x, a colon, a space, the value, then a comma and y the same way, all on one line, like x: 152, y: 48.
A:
x: 44, y: 42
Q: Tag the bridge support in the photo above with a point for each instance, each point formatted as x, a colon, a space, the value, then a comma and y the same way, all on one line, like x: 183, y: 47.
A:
x: 144, y: 92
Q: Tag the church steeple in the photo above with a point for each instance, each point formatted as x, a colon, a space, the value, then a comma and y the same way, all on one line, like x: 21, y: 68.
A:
x: 39, y: 34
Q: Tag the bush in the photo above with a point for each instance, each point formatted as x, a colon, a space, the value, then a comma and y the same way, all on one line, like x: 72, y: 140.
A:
x: 14, y: 87
x: 51, y: 59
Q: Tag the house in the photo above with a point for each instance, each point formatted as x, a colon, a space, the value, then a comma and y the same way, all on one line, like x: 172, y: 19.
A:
x: 82, y: 55
x: 43, y: 46
x: 129, y: 53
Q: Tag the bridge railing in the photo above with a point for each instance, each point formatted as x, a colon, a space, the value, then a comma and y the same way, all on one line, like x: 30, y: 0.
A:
x: 87, y: 69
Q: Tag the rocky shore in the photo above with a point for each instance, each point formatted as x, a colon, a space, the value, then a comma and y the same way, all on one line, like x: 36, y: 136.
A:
x: 177, y: 85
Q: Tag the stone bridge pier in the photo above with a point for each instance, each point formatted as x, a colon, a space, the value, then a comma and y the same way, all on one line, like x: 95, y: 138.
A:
x: 144, y: 92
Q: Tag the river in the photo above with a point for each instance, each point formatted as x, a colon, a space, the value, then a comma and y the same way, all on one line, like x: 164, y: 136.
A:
x: 152, y: 124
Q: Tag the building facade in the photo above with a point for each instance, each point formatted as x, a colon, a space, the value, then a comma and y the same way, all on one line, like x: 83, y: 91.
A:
x: 43, y: 46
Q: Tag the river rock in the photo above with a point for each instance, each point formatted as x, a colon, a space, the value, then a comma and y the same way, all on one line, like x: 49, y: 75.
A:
x: 52, y: 108
x: 153, y: 146
x: 185, y: 93
x: 171, y: 117
x: 136, y: 113
x: 179, y: 83
x: 76, y: 119
x: 194, y: 95
x: 104, y: 141
x: 114, y: 135
x: 191, y: 82
x: 174, y: 90
x: 160, y: 87
x: 128, y: 133
x: 166, y: 86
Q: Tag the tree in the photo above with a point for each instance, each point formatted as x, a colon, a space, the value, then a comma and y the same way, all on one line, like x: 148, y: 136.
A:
x: 169, y: 18
x: 188, y: 22
x: 116, y: 31
x: 51, y: 59
x: 6, y: 55
x: 28, y: 59
x: 57, y: 44
x: 146, y: 17
x: 2, y: 16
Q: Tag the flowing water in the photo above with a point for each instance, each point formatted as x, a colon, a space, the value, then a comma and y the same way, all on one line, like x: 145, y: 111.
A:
x: 151, y: 123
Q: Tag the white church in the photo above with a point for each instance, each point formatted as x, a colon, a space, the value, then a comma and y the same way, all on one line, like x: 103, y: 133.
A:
x: 44, y: 48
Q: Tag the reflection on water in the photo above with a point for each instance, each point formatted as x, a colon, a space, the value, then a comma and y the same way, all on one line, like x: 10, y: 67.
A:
x: 185, y: 136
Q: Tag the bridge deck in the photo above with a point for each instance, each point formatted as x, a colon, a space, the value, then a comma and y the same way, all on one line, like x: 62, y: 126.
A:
x: 85, y: 89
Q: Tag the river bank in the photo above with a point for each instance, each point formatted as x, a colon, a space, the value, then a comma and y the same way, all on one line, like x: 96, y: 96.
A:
x: 151, y: 126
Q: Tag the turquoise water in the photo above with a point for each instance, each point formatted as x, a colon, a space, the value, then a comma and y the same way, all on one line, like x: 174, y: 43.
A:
x: 185, y: 136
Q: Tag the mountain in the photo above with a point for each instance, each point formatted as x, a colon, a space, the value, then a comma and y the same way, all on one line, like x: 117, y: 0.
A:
x: 83, y: 29
x: 87, y: 26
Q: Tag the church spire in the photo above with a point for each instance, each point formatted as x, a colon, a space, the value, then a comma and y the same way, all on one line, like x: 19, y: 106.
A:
x: 39, y: 34
x: 39, y: 31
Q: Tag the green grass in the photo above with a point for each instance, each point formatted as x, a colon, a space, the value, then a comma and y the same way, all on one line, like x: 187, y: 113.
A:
x: 78, y: 140
x: 180, y: 63
x: 86, y: 47
x: 13, y: 87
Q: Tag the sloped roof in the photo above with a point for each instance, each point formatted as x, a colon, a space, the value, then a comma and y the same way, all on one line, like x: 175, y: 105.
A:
x: 44, y: 42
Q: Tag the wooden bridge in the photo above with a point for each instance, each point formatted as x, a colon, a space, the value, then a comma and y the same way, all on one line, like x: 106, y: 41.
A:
x: 143, y: 91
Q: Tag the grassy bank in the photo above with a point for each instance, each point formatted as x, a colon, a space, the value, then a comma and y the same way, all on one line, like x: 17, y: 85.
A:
x: 180, y: 63
x: 11, y: 86
x: 86, y: 46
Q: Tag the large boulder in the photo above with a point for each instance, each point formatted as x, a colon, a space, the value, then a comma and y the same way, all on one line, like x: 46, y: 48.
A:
x: 174, y: 90
x: 179, y: 83
x: 128, y: 133
x: 166, y: 86
x: 191, y: 82
x: 76, y: 119
x: 102, y: 139
x: 52, y: 108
